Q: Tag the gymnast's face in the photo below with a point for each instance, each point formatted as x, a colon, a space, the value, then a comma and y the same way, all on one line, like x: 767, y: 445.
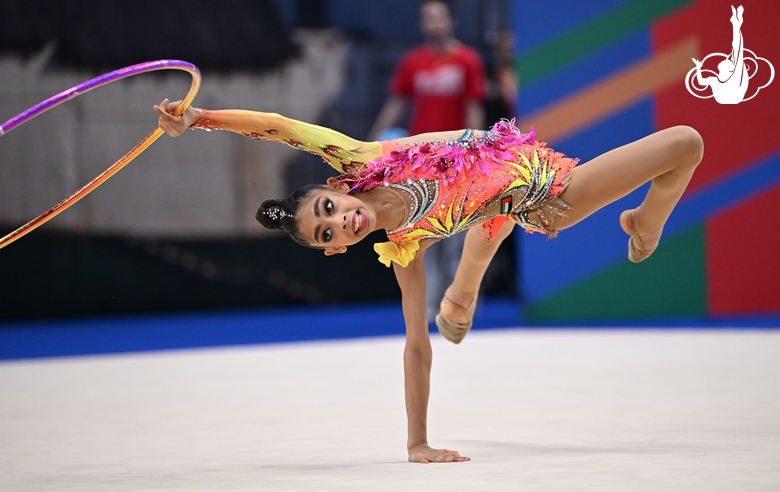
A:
x: 333, y: 220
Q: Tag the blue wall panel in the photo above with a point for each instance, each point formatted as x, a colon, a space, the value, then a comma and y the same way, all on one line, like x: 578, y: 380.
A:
x: 584, y: 72
x: 547, y: 266
x: 536, y: 23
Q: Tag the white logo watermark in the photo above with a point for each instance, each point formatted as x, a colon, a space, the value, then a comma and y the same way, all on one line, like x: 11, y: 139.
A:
x: 730, y: 84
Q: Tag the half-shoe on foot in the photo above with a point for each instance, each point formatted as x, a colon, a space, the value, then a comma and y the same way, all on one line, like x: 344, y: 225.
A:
x: 456, y: 323
x: 639, y: 247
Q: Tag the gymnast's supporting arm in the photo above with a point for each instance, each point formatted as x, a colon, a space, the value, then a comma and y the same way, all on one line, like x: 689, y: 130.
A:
x: 418, y: 358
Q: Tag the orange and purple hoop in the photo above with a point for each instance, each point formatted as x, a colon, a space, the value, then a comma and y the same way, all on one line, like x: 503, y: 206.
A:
x: 114, y: 168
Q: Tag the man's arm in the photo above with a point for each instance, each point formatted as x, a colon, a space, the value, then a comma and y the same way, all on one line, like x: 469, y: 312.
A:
x: 389, y: 116
x: 476, y: 91
x: 418, y: 358
x: 475, y: 115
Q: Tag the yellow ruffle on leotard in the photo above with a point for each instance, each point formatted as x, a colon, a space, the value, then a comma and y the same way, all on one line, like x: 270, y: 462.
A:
x: 399, y: 253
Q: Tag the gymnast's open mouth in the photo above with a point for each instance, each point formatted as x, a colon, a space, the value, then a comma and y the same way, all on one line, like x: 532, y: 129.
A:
x: 359, y: 222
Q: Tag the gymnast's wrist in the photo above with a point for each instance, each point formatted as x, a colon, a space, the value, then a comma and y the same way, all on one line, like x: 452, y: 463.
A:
x: 192, y: 116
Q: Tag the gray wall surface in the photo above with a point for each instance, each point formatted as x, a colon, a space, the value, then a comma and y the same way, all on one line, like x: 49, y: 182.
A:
x: 198, y: 185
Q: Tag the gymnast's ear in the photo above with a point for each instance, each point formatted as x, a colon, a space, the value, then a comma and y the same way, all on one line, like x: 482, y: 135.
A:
x: 335, y: 251
x: 333, y: 183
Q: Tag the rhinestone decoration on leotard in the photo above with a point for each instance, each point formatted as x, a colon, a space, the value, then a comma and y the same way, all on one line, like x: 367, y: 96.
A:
x: 423, y: 195
x: 471, y: 174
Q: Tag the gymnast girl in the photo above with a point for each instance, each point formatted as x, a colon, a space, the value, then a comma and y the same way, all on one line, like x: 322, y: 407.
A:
x: 425, y: 188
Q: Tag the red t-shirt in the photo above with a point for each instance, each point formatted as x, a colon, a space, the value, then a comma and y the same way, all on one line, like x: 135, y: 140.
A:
x: 439, y: 84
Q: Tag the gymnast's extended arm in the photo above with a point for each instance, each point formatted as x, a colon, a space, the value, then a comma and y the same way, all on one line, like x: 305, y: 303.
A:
x: 418, y: 358
x: 340, y: 151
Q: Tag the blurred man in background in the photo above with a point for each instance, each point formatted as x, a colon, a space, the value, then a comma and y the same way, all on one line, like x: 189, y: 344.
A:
x: 504, y: 87
x: 443, y: 83
x: 502, y: 103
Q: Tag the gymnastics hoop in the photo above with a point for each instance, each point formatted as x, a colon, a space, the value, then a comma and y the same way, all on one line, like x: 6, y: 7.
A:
x: 118, y: 165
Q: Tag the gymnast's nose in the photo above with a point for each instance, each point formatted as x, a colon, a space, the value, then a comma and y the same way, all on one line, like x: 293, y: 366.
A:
x: 338, y: 221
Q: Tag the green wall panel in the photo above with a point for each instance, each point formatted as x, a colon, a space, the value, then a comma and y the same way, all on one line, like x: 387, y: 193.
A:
x: 672, y: 282
x: 592, y: 36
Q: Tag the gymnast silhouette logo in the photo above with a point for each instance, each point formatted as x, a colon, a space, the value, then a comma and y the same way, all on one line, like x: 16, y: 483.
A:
x: 730, y: 84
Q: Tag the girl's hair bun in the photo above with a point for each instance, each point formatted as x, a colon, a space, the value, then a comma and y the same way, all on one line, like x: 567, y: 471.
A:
x: 280, y: 214
x: 272, y: 213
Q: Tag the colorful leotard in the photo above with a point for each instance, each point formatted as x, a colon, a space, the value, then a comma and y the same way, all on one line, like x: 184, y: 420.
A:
x: 482, y: 177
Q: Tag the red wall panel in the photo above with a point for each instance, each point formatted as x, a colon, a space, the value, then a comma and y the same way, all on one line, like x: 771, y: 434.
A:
x: 743, y: 257
x: 734, y: 135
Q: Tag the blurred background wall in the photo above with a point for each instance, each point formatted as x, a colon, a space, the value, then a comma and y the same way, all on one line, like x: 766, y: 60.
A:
x: 175, y: 230
x: 600, y: 74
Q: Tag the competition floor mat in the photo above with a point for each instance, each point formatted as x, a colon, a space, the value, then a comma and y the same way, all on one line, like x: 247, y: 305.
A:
x: 603, y: 409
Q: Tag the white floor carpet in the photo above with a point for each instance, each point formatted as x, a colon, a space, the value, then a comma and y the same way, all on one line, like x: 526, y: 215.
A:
x: 535, y: 410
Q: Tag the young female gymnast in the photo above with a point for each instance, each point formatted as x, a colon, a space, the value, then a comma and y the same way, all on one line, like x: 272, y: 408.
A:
x: 427, y: 187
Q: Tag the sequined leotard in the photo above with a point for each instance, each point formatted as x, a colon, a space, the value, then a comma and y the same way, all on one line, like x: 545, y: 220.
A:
x: 482, y: 177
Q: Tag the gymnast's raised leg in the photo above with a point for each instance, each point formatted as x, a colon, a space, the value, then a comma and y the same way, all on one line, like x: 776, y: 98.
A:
x: 666, y: 158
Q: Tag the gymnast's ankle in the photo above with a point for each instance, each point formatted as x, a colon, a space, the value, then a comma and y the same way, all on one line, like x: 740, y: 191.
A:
x: 458, y: 307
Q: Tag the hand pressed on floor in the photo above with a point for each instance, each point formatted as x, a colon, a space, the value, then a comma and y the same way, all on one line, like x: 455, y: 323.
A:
x: 422, y: 453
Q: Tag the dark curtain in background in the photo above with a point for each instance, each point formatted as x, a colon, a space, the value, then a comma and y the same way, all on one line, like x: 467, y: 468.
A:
x: 99, y: 34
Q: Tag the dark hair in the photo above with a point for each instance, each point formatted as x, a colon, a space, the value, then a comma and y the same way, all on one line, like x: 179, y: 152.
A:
x: 280, y: 214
